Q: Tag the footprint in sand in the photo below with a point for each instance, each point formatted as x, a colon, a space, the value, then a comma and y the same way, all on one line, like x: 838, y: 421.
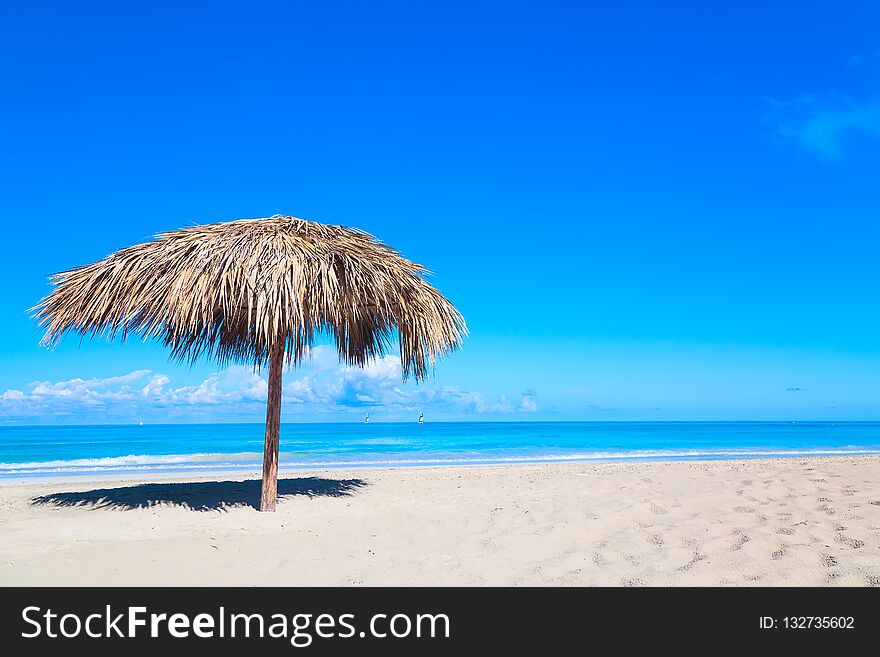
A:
x: 743, y: 509
x: 852, y: 543
x: 742, y: 540
x: 778, y: 554
x: 634, y: 581
x: 788, y: 531
x: 828, y: 560
x: 656, y: 539
x: 659, y: 510
x: 873, y: 580
x: 695, y: 559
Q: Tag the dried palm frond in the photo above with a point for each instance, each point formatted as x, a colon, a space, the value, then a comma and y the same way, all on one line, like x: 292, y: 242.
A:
x: 232, y: 290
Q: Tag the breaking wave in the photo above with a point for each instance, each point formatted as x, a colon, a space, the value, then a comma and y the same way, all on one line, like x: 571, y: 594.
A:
x: 245, y: 461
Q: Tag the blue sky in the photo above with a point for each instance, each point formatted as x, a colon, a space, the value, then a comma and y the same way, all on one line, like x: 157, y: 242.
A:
x: 643, y: 211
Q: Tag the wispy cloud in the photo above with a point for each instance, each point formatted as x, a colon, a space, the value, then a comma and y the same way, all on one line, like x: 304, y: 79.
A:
x: 322, y: 386
x: 794, y: 389
x: 824, y: 126
x: 869, y: 61
x: 528, y: 402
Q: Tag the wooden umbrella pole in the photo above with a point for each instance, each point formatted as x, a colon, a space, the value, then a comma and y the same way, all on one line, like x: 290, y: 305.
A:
x: 273, y: 425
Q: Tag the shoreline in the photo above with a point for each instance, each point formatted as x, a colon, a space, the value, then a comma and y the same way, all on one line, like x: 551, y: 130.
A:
x: 172, y: 473
x: 787, y: 521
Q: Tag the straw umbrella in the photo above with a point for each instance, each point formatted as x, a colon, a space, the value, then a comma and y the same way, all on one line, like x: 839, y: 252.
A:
x: 258, y: 291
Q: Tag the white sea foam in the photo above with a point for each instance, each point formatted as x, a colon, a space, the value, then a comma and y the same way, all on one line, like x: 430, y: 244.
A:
x: 250, y: 460
x: 112, y: 462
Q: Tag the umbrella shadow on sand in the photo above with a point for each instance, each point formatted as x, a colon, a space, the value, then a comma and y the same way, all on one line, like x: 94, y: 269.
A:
x: 198, y: 496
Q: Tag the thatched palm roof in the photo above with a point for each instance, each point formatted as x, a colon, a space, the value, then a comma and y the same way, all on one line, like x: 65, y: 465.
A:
x: 231, y: 290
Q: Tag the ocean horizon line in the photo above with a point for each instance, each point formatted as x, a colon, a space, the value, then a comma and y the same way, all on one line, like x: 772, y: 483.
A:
x: 432, y: 422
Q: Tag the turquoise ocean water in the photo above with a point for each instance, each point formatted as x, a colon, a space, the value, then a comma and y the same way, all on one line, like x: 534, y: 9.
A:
x: 65, y: 450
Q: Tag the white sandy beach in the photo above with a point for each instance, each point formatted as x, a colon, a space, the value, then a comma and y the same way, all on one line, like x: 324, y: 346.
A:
x: 797, y: 521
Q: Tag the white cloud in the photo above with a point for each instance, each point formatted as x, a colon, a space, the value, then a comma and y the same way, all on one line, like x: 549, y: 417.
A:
x: 527, y: 404
x: 236, y: 384
x: 155, y: 386
x: 824, y: 126
x: 320, y: 385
